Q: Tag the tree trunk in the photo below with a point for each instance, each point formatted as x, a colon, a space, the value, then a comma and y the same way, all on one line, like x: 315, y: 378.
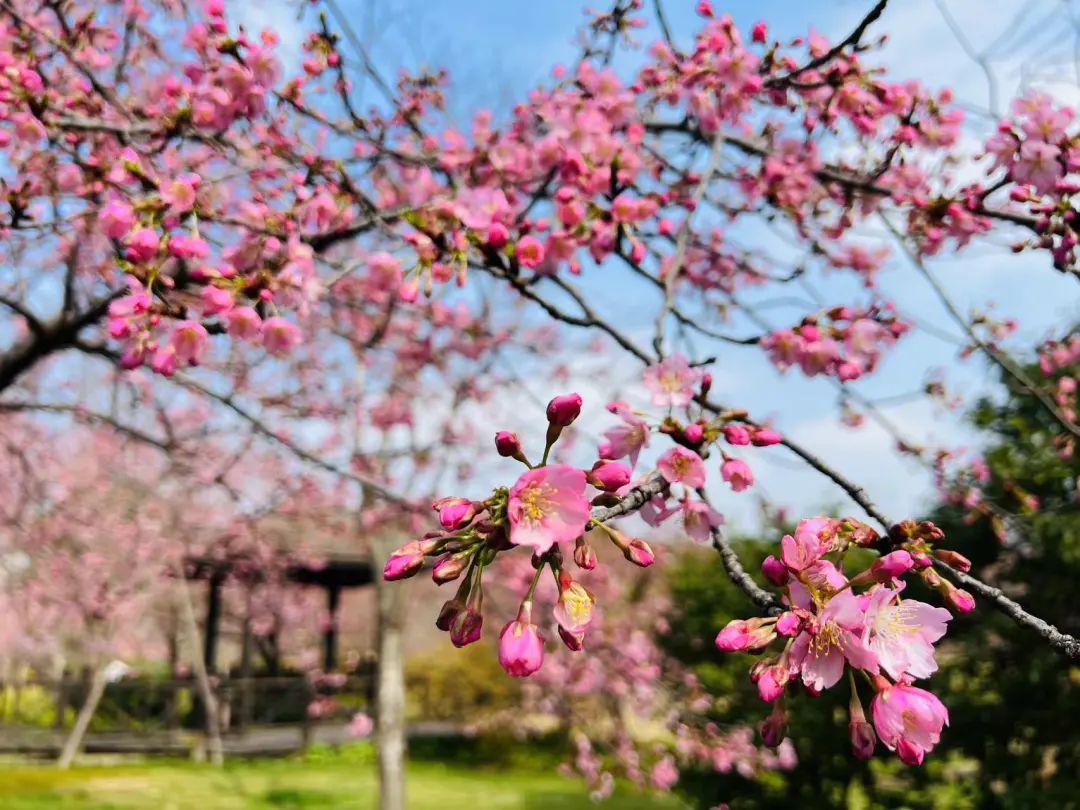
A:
x: 75, y: 739
x: 390, y: 687
x: 214, y: 745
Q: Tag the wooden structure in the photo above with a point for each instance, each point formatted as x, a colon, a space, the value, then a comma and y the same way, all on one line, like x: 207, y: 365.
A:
x: 333, y: 573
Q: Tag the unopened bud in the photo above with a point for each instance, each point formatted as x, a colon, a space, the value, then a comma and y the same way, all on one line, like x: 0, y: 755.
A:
x: 573, y: 641
x: 892, y: 566
x: 449, y: 568
x: 639, y: 553
x: 584, y: 555
x: 774, y: 728
x: 448, y: 613
x: 508, y: 444
x: 609, y: 475
x: 953, y: 558
x: 775, y: 571
x: 960, y: 600
x: 466, y: 627
x: 765, y: 437
x: 563, y: 410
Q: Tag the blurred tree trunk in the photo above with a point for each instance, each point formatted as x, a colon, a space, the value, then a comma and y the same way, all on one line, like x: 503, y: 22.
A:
x: 202, y: 677
x: 75, y: 739
x: 390, y: 689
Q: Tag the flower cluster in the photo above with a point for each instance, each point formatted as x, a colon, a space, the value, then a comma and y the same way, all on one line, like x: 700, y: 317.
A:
x: 861, y: 624
x: 548, y: 509
x: 843, y: 342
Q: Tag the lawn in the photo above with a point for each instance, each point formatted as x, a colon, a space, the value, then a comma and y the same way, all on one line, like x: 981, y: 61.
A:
x: 322, y: 780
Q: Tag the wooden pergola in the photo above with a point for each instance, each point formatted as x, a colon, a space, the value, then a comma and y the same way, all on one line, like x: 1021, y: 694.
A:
x: 333, y: 573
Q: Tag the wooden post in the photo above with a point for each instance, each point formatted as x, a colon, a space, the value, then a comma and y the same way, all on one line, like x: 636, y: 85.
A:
x: 213, y: 621
x: 61, y: 699
x: 330, y: 636
x: 247, y: 697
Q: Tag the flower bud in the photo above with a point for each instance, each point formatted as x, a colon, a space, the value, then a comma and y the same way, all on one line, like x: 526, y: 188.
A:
x: 406, y: 561
x: 609, y: 475
x: 775, y: 571
x: 774, y: 727
x: 863, y: 739
x: 893, y: 565
x: 735, y: 637
x: 788, y: 624
x: 765, y: 437
x: 960, y: 600
x: 508, y: 444
x: 693, y: 433
x: 575, y: 642
x: 584, y: 555
x: 448, y: 613
x: 466, y: 627
x: 738, y: 435
x: 639, y: 553
x: 772, y: 682
x: 449, y: 568
x: 563, y: 410
x: 953, y: 558
x: 455, y: 513
x: 521, y: 649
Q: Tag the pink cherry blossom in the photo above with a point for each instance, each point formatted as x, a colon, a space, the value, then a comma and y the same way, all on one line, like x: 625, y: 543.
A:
x: 902, y: 633
x: 908, y: 720
x: 681, y: 466
x: 548, y: 506
x: 672, y: 382
x: 738, y: 474
x: 280, y: 336
x: 820, y: 656
x: 626, y: 439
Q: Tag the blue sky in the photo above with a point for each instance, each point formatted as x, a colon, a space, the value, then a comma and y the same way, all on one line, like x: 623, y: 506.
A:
x: 497, y: 50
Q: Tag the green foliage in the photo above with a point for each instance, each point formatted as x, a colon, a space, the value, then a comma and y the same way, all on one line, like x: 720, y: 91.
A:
x: 458, y: 685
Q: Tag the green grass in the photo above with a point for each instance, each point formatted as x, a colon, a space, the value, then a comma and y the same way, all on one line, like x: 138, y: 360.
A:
x: 322, y: 780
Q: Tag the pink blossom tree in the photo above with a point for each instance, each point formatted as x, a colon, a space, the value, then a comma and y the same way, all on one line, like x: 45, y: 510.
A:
x: 200, y: 238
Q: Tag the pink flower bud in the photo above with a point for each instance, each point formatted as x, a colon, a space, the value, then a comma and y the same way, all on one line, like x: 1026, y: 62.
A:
x: 953, y: 558
x: 788, y: 624
x: 521, y: 649
x: 584, y: 555
x: 772, y: 682
x: 639, y: 553
x: 455, y: 513
x: 774, y: 727
x: 609, y: 475
x: 507, y: 444
x: 405, y: 562
x: 960, y: 600
x: 737, y: 435
x: 466, y: 627
x: 449, y: 568
x: 694, y: 433
x: 893, y: 565
x: 863, y: 739
x: 563, y: 410
x: 575, y: 642
x: 735, y: 637
x: 775, y: 571
x: 760, y: 32
x: 765, y: 437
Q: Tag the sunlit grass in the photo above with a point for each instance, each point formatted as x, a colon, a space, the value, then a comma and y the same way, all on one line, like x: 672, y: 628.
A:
x: 324, y: 780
